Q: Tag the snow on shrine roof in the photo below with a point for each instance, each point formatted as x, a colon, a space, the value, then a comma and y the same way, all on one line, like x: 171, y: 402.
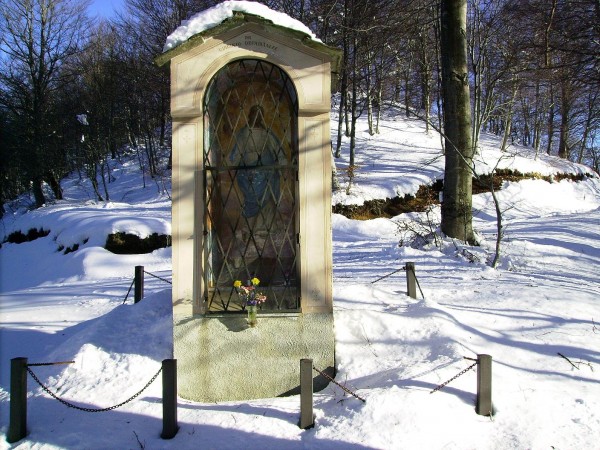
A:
x: 214, y: 16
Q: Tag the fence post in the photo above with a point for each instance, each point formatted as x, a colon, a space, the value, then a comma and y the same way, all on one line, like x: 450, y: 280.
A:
x: 17, y: 428
x: 307, y: 419
x: 484, y: 385
x: 411, y: 280
x: 138, y: 292
x: 169, y: 380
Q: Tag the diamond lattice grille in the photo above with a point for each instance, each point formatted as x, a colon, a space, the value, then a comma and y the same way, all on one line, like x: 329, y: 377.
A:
x: 251, y: 172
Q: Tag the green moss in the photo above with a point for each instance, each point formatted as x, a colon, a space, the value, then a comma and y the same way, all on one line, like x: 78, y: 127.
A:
x: 429, y: 195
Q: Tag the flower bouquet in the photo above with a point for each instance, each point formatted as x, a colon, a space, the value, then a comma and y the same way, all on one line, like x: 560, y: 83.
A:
x: 251, y: 298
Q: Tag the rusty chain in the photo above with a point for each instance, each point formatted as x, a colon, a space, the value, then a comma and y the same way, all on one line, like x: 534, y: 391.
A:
x: 156, y: 276
x: 389, y: 274
x: 58, y: 363
x: 128, y: 291
x: 338, y: 384
x: 148, y: 273
x: 454, y: 377
x: 71, y: 405
x: 110, y: 408
x: 404, y: 268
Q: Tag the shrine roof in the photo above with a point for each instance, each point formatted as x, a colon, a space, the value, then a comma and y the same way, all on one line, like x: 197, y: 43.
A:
x: 232, y: 14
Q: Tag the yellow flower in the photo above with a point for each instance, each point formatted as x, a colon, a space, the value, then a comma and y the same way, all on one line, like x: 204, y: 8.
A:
x: 255, y: 281
x: 237, y: 283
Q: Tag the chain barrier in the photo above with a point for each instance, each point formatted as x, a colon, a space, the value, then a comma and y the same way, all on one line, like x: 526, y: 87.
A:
x: 344, y: 388
x: 404, y: 268
x: 389, y: 275
x: 133, y: 282
x: 461, y: 373
x: 160, y: 278
x: 128, y: 291
x: 50, y: 364
x: 71, y: 405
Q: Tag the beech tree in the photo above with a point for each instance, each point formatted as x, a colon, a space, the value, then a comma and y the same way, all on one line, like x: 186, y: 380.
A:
x: 457, y: 204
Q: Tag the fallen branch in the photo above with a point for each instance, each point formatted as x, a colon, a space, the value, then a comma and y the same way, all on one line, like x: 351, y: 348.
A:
x: 563, y: 356
x: 142, y: 446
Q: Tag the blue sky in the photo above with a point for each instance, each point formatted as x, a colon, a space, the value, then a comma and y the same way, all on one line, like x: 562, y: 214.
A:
x: 106, y: 8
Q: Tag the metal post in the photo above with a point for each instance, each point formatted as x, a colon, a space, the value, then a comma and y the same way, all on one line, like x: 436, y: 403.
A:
x: 17, y: 428
x: 484, y: 385
x: 138, y: 292
x: 169, y: 380
x: 411, y: 280
x: 307, y: 419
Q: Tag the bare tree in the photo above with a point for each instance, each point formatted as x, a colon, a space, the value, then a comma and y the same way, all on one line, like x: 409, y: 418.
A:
x: 39, y: 37
x: 559, y: 44
x: 101, y: 103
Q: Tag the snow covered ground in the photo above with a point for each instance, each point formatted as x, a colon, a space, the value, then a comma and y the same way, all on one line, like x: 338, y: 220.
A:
x: 392, y: 350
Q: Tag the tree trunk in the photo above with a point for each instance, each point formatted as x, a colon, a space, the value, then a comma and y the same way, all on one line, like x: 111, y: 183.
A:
x: 508, y: 119
x: 550, y: 122
x: 457, y: 204
x: 353, y: 105
x: 565, y: 112
x: 588, y: 125
x: 38, y: 193
x: 347, y: 117
x: 407, y: 95
x: 338, y: 145
x: 499, y: 228
x: 92, y: 174
x: 54, y: 185
x: 370, y: 120
x: 342, y: 107
x: 438, y: 81
x: 379, y: 103
x: 425, y: 76
x: 507, y: 131
x: 103, y: 167
x: 537, y: 123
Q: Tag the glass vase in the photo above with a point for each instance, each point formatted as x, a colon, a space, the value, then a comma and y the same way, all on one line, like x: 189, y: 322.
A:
x: 252, y: 312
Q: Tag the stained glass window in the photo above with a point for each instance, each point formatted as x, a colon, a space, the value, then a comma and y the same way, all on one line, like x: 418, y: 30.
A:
x: 250, y: 178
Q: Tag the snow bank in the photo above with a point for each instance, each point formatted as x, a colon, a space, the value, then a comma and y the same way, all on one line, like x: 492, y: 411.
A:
x: 391, y: 349
x: 214, y: 16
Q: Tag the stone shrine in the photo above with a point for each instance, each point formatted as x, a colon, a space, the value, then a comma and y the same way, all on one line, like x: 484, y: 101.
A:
x: 250, y: 102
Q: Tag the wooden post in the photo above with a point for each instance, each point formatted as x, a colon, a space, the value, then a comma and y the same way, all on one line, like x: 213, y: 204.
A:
x: 484, y: 385
x: 139, y: 284
x: 411, y: 280
x: 307, y: 419
x: 17, y: 428
x: 169, y: 380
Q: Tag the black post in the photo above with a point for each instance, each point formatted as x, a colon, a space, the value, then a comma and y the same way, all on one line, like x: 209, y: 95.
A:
x: 17, y: 428
x: 169, y: 380
x: 138, y: 292
x: 484, y: 385
x: 411, y: 280
x: 307, y: 419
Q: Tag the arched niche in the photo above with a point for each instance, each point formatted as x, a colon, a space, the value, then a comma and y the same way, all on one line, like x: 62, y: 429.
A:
x: 250, y: 164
